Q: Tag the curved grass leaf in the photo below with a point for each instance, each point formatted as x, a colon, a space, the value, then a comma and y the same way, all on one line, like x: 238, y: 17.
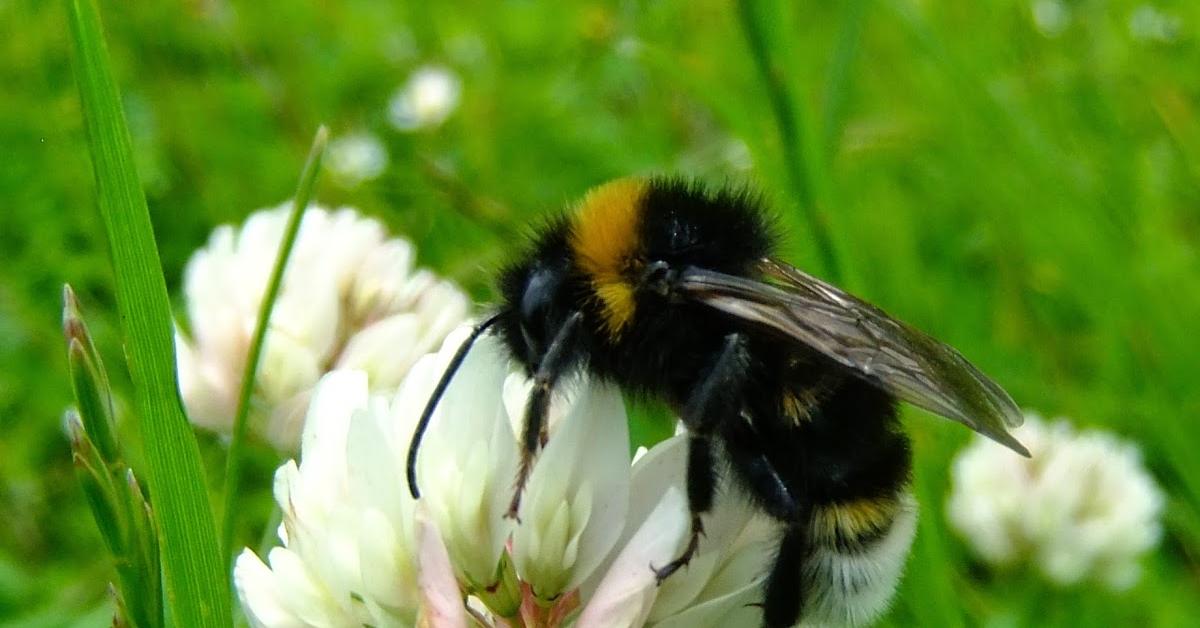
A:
x: 308, y: 180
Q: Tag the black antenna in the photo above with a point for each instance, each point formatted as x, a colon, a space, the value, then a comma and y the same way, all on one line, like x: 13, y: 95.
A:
x: 434, y: 398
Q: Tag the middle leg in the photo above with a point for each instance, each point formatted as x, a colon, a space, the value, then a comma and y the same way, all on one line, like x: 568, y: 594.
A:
x: 714, y: 400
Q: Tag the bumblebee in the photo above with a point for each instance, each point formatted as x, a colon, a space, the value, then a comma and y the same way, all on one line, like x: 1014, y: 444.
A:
x: 785, y: 383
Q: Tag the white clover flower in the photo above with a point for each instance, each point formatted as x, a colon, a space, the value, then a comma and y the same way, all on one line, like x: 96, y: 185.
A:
x: 426, y: 100
x: 359, y: 551
x: 348, y: 543
x: 355, y: 158
x: 468, y: 457
x: 577, y: 496
x: 1083, y: 507
x: 351, y: 298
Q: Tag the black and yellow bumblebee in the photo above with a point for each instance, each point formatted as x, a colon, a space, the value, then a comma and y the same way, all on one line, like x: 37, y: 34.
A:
x: 786, y: 384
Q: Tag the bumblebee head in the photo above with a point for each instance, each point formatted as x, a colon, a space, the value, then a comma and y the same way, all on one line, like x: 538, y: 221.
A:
x: 536, y: 295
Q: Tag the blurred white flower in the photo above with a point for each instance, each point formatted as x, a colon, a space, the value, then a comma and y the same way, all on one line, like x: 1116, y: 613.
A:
x: 1148, y: 23
x: 359, y: 551
x: 355, y: 158
x: 737, y: 154
x: 426, y: 100
x: 351, y: 298
x: 1083, y: 507
x: 1051, y: 17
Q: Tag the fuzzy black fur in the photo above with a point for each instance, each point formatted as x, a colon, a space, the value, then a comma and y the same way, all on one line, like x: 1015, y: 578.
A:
x: 848, y: 447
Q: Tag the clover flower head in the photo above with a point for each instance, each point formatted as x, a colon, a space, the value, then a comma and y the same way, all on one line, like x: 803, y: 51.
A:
x: 1083, y: 507
x: 357, y: 549
x: 350, y: 298
x: 348, y: 553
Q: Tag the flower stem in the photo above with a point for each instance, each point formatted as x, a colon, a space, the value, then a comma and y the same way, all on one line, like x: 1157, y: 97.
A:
x: 308, y: 179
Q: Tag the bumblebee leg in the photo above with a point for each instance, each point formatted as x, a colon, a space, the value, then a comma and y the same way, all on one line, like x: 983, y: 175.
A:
x: 701, y: 482
x: 757, y: 473
x: 715, y: 399
x: 784, y: 587
x: 554, y: 362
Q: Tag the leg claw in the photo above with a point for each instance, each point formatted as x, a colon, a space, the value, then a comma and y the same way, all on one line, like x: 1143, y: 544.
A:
x: 693, y: 543
x: 660, y: 575
x: 514, y: 508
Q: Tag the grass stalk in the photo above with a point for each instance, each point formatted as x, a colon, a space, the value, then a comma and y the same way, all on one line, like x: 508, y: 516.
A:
x: 233, y: 462
x: 797, y: 163
x: 840, y: 75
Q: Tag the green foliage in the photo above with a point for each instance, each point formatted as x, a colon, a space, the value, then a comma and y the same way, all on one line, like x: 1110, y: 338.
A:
x: 119, y: 507
x: 1025, y: 189
x: 197, y: 593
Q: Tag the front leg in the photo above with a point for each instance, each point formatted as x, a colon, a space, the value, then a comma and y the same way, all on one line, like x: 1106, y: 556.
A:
x: 716, y: 398
x: 555, y: 361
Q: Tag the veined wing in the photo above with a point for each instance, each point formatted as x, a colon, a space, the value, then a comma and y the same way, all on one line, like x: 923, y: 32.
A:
x: 893, y: 355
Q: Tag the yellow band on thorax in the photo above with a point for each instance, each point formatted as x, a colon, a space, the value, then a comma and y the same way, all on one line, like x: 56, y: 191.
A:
x: 604, y: 239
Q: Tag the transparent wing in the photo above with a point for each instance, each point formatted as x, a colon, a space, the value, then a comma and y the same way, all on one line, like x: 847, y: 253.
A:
x: 860, y: 336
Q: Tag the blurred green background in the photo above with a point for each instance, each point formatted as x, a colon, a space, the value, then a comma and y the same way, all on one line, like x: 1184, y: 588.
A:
x: 1021, y: 178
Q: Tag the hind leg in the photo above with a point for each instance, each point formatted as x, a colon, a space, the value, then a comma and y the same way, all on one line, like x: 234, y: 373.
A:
x: 784, y: 599
x: 756, y: 473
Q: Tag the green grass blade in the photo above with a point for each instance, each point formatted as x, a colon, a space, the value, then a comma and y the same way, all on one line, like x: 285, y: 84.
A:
x: 198, y: 592
x: 840, y: 76
x: 233, y: 462
x: 759, y: 19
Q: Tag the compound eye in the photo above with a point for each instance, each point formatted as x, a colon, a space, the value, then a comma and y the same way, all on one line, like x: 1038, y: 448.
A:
x: 535, y: 306
x: 539, y: 292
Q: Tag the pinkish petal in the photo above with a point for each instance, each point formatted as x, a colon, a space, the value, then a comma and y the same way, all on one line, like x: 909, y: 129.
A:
x: 627, y: 591
x: 441, y: 600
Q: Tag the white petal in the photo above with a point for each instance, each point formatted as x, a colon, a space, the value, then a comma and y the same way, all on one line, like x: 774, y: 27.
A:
x: 442, y: 602
x: 285, y: 423
x: 663, y: 469
x: 468, y: 458
x: 386, y: 349
x: 375, y: 465
x: 259, y: 594
x: 590, y: 448
x: 301, y: 593
x: 627, y: 590
x: 388, y: 563
x: 337, y: 396
x: 206, y: 391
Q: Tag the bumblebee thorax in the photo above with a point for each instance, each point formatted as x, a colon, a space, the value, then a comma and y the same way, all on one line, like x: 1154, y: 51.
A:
x: 605, y: 242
